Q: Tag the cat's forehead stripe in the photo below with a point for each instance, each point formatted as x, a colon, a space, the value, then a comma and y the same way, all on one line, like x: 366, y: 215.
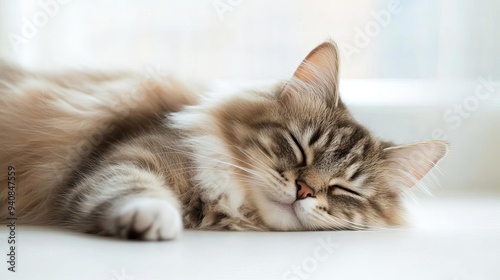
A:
x: 348, y: 142
x: 318, y: 133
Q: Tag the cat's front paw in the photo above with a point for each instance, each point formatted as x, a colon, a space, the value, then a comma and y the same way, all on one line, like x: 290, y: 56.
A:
x: 148, y: 219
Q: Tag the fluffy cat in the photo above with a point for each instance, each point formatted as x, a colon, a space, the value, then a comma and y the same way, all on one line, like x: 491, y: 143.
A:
x: 128, y: 156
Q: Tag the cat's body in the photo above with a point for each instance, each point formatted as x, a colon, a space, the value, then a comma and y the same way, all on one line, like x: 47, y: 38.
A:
x: 142, y: 157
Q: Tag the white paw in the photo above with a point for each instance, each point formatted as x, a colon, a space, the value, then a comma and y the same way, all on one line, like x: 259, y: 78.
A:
x: 148, y: 219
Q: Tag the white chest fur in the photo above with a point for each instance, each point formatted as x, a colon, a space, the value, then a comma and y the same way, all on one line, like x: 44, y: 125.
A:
x: 215, y: 169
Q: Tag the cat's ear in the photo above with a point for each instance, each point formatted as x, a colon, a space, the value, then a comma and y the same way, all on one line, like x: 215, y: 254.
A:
x: 318, y: 74
x: 409, y: 163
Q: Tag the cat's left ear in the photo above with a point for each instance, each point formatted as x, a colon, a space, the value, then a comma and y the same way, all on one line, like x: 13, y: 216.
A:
x: 318, y: 74
x: 409, y: 163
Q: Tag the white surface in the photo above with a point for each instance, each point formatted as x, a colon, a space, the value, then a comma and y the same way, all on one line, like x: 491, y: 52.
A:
x: 451, y: 238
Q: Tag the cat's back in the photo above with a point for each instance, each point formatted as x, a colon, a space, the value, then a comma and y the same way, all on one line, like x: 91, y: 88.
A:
x: 51, y: 122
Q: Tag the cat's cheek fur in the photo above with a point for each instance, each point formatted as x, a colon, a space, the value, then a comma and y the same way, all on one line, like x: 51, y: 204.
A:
x: 145, y: 219
x: 214, y: 175
x: 304, y: 210
x: 278, y: 216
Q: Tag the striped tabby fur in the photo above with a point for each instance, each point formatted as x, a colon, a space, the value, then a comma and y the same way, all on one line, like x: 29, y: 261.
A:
x: 143, y: 158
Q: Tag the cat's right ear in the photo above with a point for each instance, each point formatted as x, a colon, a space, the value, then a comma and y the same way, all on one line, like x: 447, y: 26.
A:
x: 318, y: 74
x: 407, y: 164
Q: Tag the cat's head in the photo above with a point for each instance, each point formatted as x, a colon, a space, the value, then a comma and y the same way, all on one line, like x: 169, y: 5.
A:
x: 307, y: 164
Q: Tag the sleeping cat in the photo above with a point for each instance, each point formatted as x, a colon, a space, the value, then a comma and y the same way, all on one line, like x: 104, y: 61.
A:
x: 125, y: 155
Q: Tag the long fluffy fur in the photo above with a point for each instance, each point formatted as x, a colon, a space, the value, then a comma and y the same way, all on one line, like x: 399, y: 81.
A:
x: 50, y: 123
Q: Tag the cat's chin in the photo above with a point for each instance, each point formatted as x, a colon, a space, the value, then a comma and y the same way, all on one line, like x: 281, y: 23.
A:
x: 279, y: 216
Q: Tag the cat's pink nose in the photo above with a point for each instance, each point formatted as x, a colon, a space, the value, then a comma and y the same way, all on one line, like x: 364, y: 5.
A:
x: 303, y: 190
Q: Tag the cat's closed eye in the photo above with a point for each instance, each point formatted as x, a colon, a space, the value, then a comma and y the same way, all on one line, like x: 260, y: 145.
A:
x: 303, y: 161
x: 337, y: 189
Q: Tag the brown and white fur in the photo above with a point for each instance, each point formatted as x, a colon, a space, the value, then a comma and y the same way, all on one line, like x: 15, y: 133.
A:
x: 126, y: 155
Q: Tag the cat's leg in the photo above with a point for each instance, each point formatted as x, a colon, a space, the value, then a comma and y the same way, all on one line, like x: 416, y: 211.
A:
x: 122, y: 200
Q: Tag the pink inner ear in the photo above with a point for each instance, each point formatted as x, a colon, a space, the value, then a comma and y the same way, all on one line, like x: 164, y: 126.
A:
x: 416, y: 175
x: 408, y: 181
x: 404, y: 176
x: 323, y: 58
x: 319, y: 69
x: 415, y: 160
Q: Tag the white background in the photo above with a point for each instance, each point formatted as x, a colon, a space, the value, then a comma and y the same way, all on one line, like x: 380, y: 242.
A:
x: 242, y: 39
